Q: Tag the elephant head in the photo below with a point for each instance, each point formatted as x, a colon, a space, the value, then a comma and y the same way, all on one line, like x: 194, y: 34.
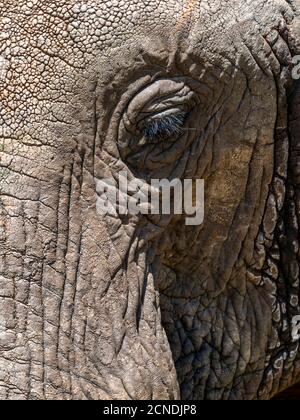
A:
x: 138, y: 306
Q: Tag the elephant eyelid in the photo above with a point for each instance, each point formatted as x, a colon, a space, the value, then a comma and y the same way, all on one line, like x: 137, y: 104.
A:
x: 163, y: 127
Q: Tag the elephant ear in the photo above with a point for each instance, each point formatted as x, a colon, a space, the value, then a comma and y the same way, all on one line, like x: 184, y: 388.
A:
x: 285, y: 206
x: 294, y: 99
x: 288, y: 230
x: 292, y: 208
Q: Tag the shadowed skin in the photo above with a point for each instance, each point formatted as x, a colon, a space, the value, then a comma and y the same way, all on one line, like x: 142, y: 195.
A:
x: 135, y: 306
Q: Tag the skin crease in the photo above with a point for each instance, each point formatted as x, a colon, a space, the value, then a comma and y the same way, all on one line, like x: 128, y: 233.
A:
x: 134, y: 307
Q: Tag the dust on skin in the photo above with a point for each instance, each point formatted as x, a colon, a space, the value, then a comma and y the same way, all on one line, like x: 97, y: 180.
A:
x: 186, y: 16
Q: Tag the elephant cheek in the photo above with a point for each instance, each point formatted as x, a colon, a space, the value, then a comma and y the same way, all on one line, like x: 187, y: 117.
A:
x: 124, y: 345
x: 80, y: 309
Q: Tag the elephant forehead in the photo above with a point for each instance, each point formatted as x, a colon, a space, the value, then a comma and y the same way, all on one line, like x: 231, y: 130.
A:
x: 56, y: 37
x: 37, y: 35
x: 106, y: 23
x: 45, y: 45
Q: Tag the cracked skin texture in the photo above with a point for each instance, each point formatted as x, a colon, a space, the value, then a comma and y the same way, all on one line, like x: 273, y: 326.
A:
x: 95, y: 307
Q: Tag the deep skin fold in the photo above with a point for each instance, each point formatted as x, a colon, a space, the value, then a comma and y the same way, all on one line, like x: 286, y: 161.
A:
x: 137, y: 307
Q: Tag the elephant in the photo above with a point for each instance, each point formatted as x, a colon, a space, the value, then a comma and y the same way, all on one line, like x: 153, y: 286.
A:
x: 138, y: 306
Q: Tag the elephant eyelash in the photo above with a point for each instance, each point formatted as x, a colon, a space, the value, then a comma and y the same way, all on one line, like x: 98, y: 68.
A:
x: 163, y: 128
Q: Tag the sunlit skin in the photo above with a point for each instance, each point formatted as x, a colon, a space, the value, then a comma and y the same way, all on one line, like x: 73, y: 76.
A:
x: 141, y: 306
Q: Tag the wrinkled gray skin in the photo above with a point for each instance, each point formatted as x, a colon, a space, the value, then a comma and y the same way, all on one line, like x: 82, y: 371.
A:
x: 141, y: 307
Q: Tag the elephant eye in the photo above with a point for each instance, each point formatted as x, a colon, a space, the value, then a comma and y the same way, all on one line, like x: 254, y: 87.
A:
x: 159, y: 127
x: 157, y: 115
